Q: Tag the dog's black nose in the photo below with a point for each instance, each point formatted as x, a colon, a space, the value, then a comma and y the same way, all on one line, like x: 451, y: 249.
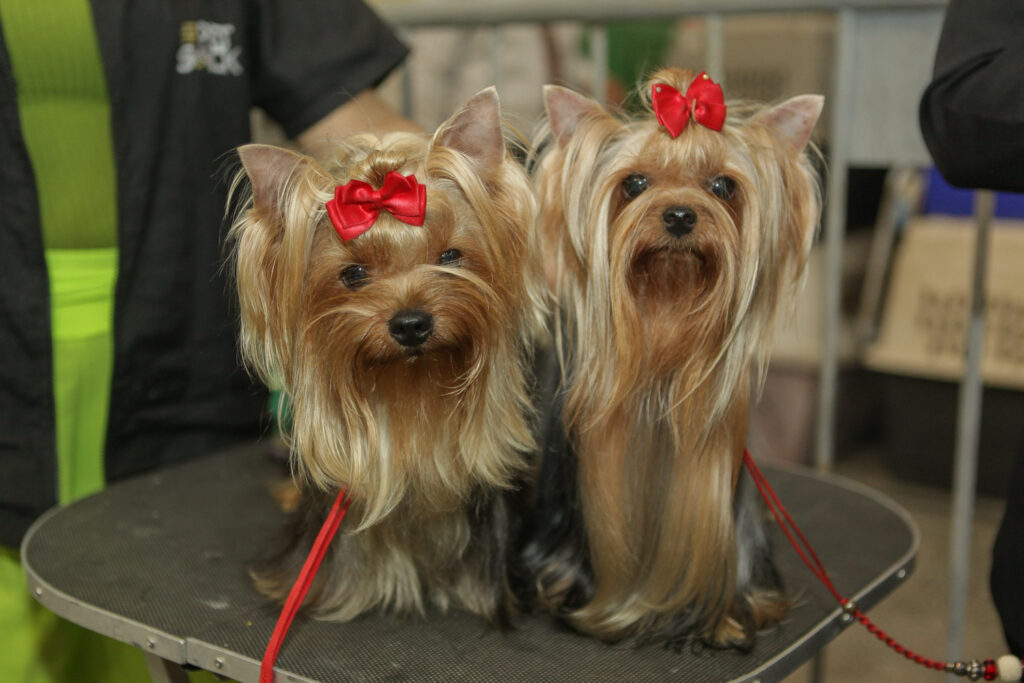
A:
x: 679, y: 220
x: 411, y: 328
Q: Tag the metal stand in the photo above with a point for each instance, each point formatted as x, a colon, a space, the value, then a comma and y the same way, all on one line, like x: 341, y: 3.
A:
x: 967, y: 430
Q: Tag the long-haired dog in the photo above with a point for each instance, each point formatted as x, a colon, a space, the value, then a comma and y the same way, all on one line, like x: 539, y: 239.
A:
x: 394, y: 293
x: 672, y: 239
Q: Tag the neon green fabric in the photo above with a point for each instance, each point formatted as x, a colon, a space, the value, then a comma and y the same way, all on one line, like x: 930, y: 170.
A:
x: 82, y: 300
x: 65, y: 118
x: 40, y: 647
x: 43, y: 647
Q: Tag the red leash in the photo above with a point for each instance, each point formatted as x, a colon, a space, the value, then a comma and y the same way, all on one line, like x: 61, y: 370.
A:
x: 1008, y: 668
x: 302, y: 584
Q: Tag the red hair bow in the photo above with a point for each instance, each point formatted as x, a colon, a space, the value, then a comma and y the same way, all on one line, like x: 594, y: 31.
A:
x: 703, y: 99
x: 356, y: 205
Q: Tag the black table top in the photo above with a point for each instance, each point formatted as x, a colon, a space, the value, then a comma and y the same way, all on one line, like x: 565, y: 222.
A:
x: 161, y: 562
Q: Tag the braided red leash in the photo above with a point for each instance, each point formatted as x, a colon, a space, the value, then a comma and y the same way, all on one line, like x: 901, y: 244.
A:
x: 1008, y: 668
x: 302, y: 584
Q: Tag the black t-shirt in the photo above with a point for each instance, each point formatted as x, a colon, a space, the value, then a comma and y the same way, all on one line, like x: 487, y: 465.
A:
x: 972, y: 113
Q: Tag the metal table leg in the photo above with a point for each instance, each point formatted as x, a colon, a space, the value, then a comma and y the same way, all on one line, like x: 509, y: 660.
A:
x: 164, y: 671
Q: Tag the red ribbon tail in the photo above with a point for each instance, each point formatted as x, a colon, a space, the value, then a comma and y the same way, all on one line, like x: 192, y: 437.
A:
x: 671, y: 108
x: 712, y: 115
x: 350, y: 220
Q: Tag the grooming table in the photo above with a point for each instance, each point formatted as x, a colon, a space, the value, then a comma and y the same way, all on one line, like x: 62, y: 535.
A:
x: 160, y: 562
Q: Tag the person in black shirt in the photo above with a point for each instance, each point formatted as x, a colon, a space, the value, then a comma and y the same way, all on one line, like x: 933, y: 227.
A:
x: 177, y: 82
x: 972, y: 120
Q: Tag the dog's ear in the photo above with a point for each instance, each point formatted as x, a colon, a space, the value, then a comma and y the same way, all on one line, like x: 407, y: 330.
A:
x: 270, y: 169
x: 270, y: 253
x: 791, y: 124
x: 793, y: 120
x: 475, y: 130
x: 566, y: 109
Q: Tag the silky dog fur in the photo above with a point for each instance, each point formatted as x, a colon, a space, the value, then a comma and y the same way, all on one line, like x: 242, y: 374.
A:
x: 426, y: 440
x: 644, y: 528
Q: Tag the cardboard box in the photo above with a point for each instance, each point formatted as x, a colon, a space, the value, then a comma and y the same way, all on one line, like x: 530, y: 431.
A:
x: 924, y: 319
x: 919, y: 352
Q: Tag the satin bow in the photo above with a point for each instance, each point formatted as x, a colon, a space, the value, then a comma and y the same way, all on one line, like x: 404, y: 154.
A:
x: 356, y: 204
x: 703, y: 99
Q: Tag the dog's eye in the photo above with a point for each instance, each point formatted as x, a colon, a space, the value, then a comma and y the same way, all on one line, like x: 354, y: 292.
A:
x: 354, y: 277
x: 722, y: 187
x: 450, y: 257
x: 634, y: 184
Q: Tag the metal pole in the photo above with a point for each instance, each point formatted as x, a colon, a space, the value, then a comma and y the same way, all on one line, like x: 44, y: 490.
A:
x: 716, y: 48
x: 833, y: 239
x: 408, y: 110
x: 903, y: 188
x: 497, y: 57
x: 164, y: 671
x: 834, y: 228
x: 967, y: 430
x: 599, y: 52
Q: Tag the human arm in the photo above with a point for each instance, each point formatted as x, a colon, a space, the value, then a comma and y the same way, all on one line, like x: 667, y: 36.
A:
x: 366, y: 112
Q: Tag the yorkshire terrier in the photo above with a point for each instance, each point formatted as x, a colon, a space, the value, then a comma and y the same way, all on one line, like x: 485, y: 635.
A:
x: 672, y: 239
x: 394, y: 293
